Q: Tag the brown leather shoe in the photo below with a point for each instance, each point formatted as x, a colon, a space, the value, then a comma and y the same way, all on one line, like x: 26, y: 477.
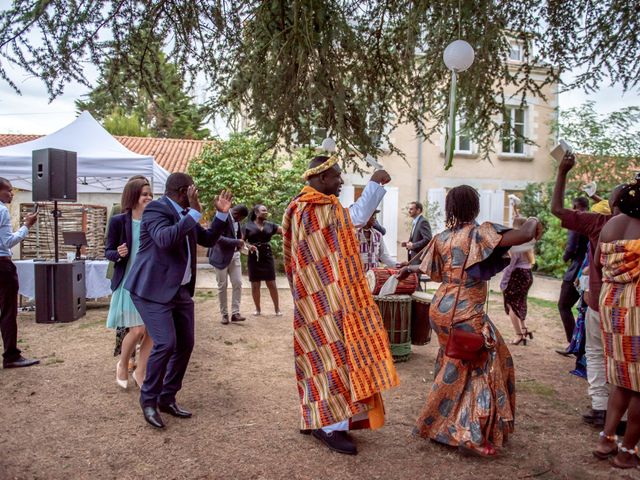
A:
x: 225, y: 320
x: 236, y: 317
x: 20, y: 362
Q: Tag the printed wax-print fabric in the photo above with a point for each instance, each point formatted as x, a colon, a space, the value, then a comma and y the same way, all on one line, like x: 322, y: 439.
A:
x: 468, y: 401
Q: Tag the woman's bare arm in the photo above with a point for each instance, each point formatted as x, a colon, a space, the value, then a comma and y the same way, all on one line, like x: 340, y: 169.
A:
x: 531, y: 229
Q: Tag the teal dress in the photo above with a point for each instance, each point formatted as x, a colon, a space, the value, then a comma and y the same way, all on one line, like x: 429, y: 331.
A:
x: 122, y: 311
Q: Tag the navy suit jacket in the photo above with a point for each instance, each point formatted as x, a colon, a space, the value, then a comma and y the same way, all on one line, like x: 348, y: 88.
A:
x: 222, y: 252
x: 161, y: 261
x: 119, y: 233
x: 420, y: 237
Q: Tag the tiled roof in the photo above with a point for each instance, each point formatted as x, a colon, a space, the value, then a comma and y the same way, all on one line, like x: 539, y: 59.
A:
x: 7, y: 139
x: 173, y: 154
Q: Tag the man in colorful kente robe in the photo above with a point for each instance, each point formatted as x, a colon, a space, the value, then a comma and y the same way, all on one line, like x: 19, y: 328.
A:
x: 342, y: 355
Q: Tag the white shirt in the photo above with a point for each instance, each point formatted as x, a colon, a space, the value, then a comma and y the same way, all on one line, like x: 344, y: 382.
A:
x: 413, y: 225
x: 8, y: 239
x: 364, y: 207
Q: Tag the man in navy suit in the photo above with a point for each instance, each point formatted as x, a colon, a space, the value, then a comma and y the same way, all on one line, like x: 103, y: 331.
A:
x: 225, y: 258
x: 162, y: 282
x: 420, y: 231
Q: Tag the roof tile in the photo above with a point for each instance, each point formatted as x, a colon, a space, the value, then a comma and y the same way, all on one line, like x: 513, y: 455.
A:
x: 173, y: 154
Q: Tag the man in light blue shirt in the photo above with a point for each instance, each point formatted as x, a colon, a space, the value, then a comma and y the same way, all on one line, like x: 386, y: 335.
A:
x: 11, y: 358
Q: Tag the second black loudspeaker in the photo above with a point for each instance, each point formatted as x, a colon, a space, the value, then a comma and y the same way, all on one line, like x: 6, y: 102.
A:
x: 54, y: 175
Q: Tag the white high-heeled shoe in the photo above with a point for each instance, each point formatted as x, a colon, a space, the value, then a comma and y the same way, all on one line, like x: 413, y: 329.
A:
x: 121, y: 383
x: 135, y: 379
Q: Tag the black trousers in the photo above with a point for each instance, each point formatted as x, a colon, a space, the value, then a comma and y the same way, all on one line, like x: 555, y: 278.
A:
x: 568, y: 297
x: 9, y: 309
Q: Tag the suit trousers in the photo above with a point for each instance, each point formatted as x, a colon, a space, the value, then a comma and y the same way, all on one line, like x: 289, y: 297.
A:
x: 9, y: 309
x: 233, y: 272
x: 594, y: 353
x: 569, y: 295
x: 171, y: 327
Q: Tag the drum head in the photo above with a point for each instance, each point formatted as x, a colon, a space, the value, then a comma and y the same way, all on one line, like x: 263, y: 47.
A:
x: 393, y: 298
x: 423, y: 297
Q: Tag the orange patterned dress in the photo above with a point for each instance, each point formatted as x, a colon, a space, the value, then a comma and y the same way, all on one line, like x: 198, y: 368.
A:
x: 468, y: 401
x: 620, y: 312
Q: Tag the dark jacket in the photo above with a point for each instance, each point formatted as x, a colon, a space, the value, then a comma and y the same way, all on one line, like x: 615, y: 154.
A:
x: 420, y: 237
x: 161, y: 261
x: 222, y: 252
x: 119, y: 232
x: 574, y: 252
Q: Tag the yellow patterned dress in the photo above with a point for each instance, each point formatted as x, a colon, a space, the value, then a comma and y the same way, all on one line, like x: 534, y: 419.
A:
x: 620, y: 312
x: 469, y: 401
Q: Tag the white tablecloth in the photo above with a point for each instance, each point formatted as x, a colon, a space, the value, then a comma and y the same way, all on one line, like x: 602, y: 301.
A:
x: 97, y: 283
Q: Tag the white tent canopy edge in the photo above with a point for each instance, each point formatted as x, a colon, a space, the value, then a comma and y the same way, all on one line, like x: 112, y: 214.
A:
x: 104, y: 164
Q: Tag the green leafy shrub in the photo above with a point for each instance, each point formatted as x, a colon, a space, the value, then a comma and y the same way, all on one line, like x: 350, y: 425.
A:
x: 253, y: 175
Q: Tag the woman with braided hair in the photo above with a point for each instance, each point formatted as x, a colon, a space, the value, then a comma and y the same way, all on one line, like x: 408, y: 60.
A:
x: 471, y: 404
x: 618, y: 254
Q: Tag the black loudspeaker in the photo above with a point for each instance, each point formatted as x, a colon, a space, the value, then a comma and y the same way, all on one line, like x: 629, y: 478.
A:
x: 54, y: 175
x: 60, y: 291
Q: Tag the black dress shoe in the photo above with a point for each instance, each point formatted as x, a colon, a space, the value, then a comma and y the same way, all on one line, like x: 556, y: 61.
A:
x: 152, y: 417
x: 564, y: 353
x: 175, y: 410
x: 225, y: 320
x: 20, y: 362
x: 337, y: 441
x: 594, y: 417
x: 236, y: 317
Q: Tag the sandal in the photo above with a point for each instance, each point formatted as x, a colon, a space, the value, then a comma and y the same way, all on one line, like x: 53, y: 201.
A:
x: 522, y: 340
x: 486, y: 450
x: 527, y: 333
x: 605, y: 455
x: 633, y: 452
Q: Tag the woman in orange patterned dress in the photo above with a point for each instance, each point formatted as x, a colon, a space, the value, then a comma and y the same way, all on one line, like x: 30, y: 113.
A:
x: 618, y: 254
x: 471, y: 404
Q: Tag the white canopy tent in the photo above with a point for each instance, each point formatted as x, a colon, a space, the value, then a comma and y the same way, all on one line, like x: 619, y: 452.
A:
x: 104, y: 164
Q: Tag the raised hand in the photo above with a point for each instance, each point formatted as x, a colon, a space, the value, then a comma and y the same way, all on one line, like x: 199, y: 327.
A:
x: 567, y: 163
x: 223, y: 202
x: 194, y: 201
x: 539, y: 230
x: 30, y: 219
x: 381, y: 177
x: 123, y: 251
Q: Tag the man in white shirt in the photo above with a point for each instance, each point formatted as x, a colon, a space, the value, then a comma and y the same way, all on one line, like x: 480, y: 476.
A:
x: 11, y: 358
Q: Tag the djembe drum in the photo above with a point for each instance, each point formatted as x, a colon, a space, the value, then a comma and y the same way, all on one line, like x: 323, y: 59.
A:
x: 420, y: 326
x: 377, y: 276
x: 396, y: 316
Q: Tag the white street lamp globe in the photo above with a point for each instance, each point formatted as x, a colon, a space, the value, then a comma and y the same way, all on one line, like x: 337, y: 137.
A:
x: 329, y: 144
x: 458, y: 56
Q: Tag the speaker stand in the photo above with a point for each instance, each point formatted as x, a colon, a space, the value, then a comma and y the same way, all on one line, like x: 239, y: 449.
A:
x: 56, y: 214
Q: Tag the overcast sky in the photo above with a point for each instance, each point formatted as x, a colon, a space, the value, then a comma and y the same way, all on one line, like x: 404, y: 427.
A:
x: 32, y: 113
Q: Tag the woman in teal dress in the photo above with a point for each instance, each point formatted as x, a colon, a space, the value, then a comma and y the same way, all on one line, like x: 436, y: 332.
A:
x: 121, y: 248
